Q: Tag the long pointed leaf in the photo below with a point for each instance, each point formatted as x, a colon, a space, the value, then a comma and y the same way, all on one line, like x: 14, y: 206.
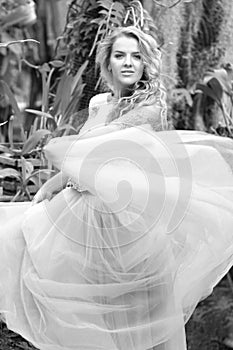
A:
x: 11, y: 97
x: 66, y: 94
x: 39, y: 113
x: 66, y: 127
x: 35, y: 179
x: 36, y: 175
x: 72, y: 107
x: 24, y: 172
x: 78, y: 76
x: 105, y: 3
x: 216, y: 86
x: 5, y: 149
x: 222, y: 76
x: 59, y: 93
x: 208, y: 92
x: 18, y: 194
x: 10, y: 131
x: 14, y: 105
x: 33, y: 140
x: 63, y: 94
x: 10, y: 172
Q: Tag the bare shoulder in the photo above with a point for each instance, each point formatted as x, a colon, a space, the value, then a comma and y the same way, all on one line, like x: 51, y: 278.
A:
x: 99, y: 99
x: 96, y: 103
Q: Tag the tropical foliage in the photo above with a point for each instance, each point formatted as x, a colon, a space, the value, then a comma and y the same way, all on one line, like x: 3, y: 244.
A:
x: 215, y: 91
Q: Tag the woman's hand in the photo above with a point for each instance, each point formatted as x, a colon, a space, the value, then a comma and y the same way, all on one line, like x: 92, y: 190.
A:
x: 50, y: 188
x: 41, y: 195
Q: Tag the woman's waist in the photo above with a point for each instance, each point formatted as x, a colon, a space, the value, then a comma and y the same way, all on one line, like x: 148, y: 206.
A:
x: 76, y: 186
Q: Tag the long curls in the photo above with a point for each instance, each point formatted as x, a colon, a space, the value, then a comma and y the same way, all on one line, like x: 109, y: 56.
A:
x: 149, y: 89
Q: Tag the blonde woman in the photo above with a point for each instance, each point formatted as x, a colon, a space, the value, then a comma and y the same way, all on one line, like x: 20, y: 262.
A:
x: 119, y: 259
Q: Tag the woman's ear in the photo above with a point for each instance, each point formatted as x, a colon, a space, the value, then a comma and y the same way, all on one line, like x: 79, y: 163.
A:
x: 109, y: 68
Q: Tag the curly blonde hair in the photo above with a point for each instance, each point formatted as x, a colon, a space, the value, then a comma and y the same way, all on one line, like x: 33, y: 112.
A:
x: 149, y: 89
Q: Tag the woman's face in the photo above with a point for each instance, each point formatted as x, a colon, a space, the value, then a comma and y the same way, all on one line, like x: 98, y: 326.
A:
x: 125, y: 63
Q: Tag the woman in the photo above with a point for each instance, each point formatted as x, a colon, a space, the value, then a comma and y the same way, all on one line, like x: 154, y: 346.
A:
x: 120, y: 258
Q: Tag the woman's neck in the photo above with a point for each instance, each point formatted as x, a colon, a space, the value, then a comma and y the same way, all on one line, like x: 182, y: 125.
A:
x: 119, y: 93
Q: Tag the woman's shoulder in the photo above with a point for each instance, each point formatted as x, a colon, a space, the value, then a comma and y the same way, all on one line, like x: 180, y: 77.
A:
x: 99, y: 99
x: 99, y: 106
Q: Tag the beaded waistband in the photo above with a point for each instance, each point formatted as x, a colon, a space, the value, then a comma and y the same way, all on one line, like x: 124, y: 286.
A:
x: 75, y: 186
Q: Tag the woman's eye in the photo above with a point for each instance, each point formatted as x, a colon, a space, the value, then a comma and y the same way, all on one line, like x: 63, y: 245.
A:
x: 118, y: 56
x: 138, y: 57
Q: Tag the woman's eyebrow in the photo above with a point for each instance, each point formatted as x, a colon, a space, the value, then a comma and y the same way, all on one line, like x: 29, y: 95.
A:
x: 135, y: 52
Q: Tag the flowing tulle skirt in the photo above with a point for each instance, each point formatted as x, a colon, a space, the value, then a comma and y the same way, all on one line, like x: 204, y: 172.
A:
x: 122, y: 264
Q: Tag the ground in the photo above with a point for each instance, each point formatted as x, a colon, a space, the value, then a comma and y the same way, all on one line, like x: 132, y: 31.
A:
x: 206, y: 329
x: 212, y: 320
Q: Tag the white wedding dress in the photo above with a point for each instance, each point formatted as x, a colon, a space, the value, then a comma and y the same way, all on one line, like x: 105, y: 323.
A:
x: 120, y: 262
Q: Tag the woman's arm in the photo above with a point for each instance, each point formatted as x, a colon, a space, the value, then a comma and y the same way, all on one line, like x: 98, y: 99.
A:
x: 142, y: 115
x: 55, y: 184
x: 100, y: 130
x: 95, y: 131
x: 56, y: 153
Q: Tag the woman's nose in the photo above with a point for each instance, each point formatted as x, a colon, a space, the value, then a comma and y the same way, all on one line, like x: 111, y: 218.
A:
x: 128, y: 61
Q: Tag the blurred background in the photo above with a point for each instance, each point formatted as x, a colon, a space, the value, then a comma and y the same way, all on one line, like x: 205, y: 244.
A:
x: 47, y: 45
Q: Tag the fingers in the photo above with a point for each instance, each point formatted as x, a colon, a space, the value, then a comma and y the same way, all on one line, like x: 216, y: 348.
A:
x: 36, y: 199
x: 41, y: 196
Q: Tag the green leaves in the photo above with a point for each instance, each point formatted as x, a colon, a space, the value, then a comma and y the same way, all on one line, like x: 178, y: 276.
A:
x: 179, y: 93
x: 112, y: 15
x: 222, y: 77
x: 34, y: 139
x: 57, y: 63
x: 10, y: 172
x: 213, y: 89
x: 4, y: 88
x: 22, y: 15
x: 217, y: 85
x: 69, y: 92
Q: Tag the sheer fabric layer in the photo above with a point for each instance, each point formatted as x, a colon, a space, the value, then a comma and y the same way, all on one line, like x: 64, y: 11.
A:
x: 94, y: 270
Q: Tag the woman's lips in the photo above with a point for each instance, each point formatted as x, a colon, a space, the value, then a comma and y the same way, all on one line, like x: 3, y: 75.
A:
x: 127, y: 72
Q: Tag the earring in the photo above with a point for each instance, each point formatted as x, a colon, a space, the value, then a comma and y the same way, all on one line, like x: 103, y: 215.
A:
x: 109, y: 68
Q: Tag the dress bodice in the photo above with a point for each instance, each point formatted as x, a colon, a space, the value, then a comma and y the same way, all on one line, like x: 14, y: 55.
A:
x: 102, y: 105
